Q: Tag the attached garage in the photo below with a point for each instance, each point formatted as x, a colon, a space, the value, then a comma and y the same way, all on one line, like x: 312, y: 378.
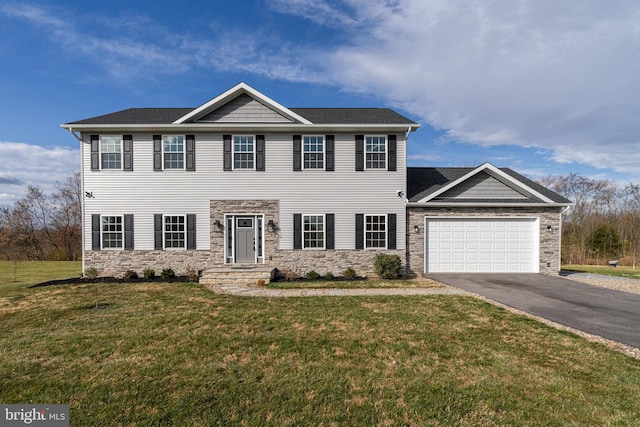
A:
x: 483, y: 219
x: 483, y: 245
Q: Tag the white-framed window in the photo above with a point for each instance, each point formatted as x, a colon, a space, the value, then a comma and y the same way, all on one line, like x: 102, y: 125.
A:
x: 111, y: 232
x: 313, y: 152
x: 111, y: 151
x: 375, y: 152
x: 174, y: 231
x: 313, y: 231
x: 243, y: 152
x: 375, y: 231
x: 173, y: 151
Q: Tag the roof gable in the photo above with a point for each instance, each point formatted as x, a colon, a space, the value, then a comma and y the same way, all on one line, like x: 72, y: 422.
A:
x: 241, y: 103
x: 244, y: 109
x: 484, y: 184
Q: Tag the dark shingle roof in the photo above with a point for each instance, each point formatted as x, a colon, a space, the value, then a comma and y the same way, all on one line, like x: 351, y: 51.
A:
x: 424, y: 181
x: 163, y: 116
x: 136, y: 116
x: 365, y: 116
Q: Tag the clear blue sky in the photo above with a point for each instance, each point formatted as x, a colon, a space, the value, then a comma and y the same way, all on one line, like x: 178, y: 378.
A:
x: 544, y: 87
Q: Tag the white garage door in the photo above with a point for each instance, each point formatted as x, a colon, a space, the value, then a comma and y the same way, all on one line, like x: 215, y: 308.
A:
x: 481, y: 245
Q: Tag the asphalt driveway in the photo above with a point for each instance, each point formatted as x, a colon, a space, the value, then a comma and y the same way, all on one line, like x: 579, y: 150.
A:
x: 614, y: 315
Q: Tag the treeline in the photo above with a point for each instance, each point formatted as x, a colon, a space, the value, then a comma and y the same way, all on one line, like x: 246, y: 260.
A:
x: 43, y: 226
x: 604, y: 224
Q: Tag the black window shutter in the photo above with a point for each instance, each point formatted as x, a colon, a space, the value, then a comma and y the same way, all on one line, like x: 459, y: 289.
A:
x: 95, y: 232
x: 157, y: 152
x: 95, y: 152
x: 391, y: 231
x: 359, y: 231
x: 392, y: 147
x: 191, y: 231
x: 297, y: 231
x: 330, y: 153
x: 297, y: 152
x: 331, y: 234
x: 157, y: 232
x: 128, y: 232
x: 190, y: 152
x: 359, y: 152
x: 226, y: 147
x: 127, y: 152
x: 260, y: 152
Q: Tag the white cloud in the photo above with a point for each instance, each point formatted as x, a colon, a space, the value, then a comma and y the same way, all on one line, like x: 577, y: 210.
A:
x: 561, y: 76
x: 27, y: 164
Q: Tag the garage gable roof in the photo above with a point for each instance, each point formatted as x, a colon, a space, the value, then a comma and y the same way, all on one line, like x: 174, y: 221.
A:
x: 485, y: 184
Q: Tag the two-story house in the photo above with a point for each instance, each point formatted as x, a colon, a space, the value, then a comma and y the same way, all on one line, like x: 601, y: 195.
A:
x: 243, y: 182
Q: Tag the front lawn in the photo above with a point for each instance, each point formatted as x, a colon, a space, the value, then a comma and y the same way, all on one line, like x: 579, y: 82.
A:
x: 178, y: 354
x: 32, y: 272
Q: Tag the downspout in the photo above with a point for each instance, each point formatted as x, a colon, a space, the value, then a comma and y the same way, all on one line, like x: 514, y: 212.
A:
x: 79, y: 138
x: 407, y: 266
x: 406, y: 148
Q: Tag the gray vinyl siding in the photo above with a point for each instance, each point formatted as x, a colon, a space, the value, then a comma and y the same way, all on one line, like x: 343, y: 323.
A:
x: 344, y: 192
x: 244, y: 109
x: 482, y: 186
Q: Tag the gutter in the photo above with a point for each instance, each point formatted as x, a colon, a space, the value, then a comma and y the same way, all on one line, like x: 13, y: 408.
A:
x: 486, y: 205
x: 217, y: 127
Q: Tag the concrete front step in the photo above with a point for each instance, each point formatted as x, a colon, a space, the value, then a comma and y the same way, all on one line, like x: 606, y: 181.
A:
x: 236, y: 275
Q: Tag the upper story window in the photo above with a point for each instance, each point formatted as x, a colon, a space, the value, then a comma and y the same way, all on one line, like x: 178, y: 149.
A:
x: 111, y: 231
x: 313, y: 231
x: 375, y: 231
x: 173, y: 151
x: 243, y: 152
x: 111, y: 152
x: 175, y: 231
x: 313, y: 149
x: 376, y: 152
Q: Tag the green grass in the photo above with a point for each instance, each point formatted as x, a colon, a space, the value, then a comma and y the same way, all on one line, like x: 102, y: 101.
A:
x: 32, y: 272
x: 622, y: 271
x: 178, y: 354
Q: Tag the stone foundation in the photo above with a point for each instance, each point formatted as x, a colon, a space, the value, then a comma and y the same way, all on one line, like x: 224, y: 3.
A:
x: 298, y: 262
x: 116, y: 263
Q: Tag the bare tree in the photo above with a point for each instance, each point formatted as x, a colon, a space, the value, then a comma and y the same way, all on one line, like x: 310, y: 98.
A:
x: 41, y: 226
x: 67, y: 217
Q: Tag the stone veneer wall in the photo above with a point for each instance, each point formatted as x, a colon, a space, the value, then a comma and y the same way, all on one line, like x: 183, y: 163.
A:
x: 269, y: 208
x: 549, y: 240
x: 116, y: 263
